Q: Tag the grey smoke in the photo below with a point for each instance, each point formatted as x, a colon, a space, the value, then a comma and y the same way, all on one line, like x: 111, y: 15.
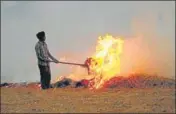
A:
x: 72, y: 29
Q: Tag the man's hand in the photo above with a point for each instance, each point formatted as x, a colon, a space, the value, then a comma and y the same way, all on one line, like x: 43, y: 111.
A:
x: 56, y: 61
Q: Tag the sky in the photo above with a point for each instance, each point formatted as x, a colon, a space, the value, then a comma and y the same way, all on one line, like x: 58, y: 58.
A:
x: 72, y: 29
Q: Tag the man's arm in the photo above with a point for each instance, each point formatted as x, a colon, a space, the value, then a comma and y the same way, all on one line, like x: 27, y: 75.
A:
x: 39, y: 51
x: 49, y: 54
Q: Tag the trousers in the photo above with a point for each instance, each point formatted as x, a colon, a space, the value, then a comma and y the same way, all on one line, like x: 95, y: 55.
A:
x: 45, y: 76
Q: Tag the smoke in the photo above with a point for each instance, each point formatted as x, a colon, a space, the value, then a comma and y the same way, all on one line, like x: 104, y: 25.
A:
x: 72, y: 29
x: 149, y: 51
x: 151, y: 47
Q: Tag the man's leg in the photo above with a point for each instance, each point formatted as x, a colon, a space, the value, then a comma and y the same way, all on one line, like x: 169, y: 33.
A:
x: 43, y: 78
x: 48, y: 77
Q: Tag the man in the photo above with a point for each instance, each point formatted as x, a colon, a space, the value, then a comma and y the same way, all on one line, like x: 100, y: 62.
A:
x: 43, y: 56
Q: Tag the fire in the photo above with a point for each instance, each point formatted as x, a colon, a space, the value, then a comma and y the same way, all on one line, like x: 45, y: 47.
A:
x: 106, y: 60
x: 104, y: 64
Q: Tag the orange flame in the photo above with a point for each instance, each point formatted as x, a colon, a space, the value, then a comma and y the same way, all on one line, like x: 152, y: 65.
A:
x: 107, y: 58
x: 105, y: 63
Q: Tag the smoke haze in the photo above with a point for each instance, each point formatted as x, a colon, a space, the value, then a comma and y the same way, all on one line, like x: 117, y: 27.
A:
x: 72, y: 29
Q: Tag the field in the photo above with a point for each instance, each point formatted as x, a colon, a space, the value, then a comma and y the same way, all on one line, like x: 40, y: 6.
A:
x: 77, y: 100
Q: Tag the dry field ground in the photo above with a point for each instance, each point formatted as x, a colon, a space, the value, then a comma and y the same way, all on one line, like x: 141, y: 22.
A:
x: 76, y: 100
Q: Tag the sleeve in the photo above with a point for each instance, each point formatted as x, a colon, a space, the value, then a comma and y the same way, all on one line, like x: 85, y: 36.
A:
x: 49, y: 54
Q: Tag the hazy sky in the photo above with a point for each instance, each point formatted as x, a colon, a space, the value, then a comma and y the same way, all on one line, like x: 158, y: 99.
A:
x: 72, y: 28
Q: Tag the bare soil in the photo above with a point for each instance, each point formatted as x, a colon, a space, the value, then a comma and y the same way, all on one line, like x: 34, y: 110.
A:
x: 77, y: 100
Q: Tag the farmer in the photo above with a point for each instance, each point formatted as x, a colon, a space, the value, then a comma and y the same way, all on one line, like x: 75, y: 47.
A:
x: 43, y: 56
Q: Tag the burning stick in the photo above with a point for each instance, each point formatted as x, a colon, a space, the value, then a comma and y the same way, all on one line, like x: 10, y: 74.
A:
x: 89, y: 62
x: 85, y: 65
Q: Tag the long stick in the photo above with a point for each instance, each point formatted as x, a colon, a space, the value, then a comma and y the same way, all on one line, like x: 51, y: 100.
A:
x: 73, y: 63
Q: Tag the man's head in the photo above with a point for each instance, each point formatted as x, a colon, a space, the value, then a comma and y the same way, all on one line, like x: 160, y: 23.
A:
x: 41, y: 36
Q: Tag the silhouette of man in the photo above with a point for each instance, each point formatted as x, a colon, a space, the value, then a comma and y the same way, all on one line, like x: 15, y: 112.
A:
x: 43, y: 56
